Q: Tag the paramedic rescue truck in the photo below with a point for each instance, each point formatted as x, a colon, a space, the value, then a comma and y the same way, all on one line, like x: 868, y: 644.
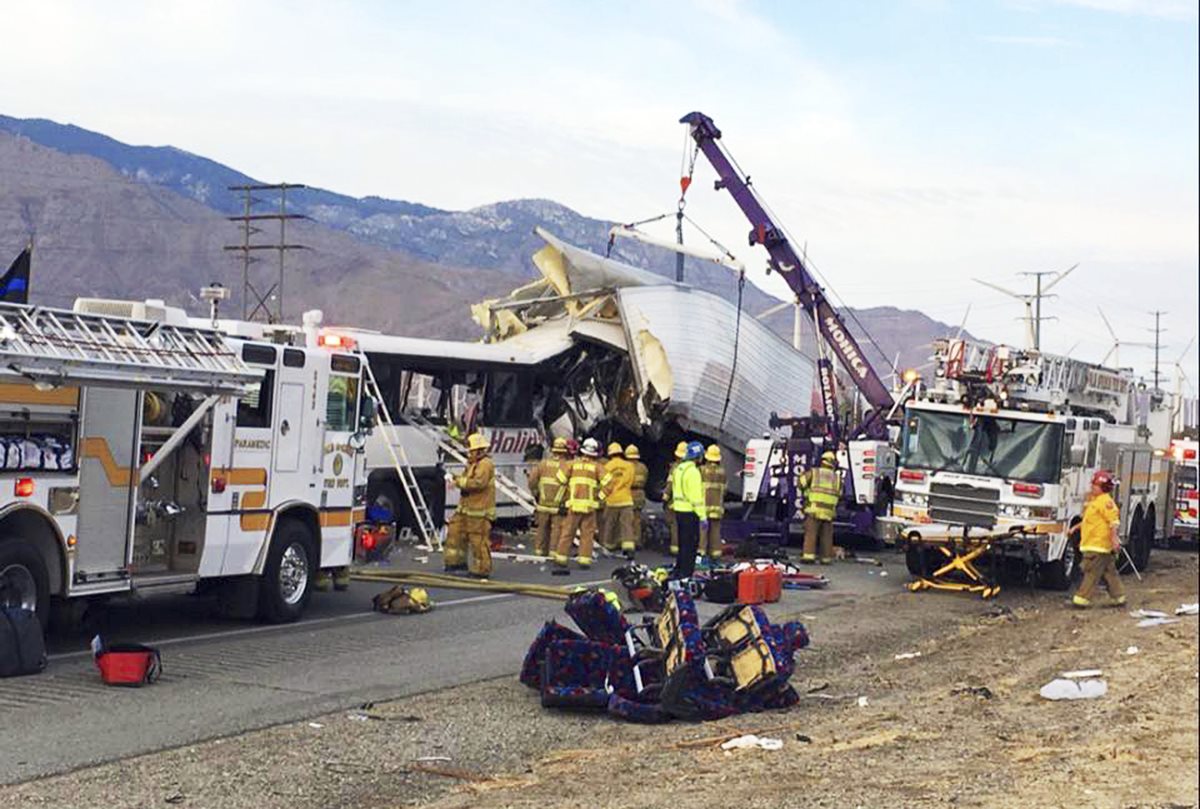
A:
x: 141, y: 454
x: 996, y: 458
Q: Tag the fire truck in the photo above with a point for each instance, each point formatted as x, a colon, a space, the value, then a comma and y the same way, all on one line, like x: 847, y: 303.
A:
x: 142, y: 454
x: 1187, y: 496
x: 996, y: 458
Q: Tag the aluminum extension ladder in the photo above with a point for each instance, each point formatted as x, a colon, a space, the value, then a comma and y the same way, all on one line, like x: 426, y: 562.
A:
x: 510, y: 487
x: 426, y: 525
x: 54, y: 346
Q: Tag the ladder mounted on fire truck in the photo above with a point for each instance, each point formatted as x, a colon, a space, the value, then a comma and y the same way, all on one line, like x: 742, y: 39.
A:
x: 52, y: 347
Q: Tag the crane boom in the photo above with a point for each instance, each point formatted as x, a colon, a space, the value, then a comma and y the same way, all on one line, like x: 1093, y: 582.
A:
x: 791, y: 267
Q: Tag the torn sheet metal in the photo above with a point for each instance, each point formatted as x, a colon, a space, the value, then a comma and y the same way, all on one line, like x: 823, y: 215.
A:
x: 682, y: 342
x: 676, y: 342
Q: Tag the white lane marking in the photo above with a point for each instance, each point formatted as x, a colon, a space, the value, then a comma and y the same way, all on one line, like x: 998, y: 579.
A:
x: 255, y: 630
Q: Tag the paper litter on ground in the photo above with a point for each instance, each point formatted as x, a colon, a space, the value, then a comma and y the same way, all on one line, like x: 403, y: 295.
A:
x: 1073, y: 689
x: 1157, y: 621
x: 750, y: 740
x: 1188, y: 609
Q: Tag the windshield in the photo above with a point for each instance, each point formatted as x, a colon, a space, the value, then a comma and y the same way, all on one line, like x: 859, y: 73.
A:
x: 1185, y: 476
x: 983, y: 445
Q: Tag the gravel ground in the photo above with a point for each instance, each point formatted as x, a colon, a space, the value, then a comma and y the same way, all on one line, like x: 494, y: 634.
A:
x: 928, y: 736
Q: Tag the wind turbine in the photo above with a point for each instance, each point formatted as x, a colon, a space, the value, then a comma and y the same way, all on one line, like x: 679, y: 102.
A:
x: 1115, y: 351
x: 1033, y: 302
x: 1180, y: 378
x: 797, y: 318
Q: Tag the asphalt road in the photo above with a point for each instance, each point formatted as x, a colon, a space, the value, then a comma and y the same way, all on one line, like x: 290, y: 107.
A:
x: 223, y: 677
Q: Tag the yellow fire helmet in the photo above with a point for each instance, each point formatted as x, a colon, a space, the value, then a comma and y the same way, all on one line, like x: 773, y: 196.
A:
x: 713, y: 453
x: 559, y: 446
x: 828, y: 458
x: 615, y: 449
x: 477, y: 442
x: 681, y: 450
x: 419, y: 596
x: 631, y: 453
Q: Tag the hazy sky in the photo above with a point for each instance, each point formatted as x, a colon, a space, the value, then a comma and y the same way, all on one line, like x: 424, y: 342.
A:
x: 912, y: 145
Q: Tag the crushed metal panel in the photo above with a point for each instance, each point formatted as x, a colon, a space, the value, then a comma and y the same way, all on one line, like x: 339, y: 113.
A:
x: 608, y: 332
x: 695, y: 333
x: 571, y: 269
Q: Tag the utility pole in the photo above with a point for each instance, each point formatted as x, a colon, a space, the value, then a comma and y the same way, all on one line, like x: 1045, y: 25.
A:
x: 1033, y: 303
x: 1037, y: 305
x: 250, y: 293
x: 1158, y: 330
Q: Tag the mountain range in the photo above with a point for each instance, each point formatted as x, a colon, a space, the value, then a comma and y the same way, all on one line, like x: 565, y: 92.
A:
x: 111, y: 219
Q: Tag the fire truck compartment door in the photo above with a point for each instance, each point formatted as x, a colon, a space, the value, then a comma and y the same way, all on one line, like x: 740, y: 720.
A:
x: 291, y: 427
x: 107, y: 475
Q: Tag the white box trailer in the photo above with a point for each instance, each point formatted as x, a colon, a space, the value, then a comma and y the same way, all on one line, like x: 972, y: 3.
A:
x: 143, y: 456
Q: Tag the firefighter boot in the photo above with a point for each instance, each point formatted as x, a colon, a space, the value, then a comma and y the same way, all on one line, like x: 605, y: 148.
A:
x: 323, y: 582
x: 341, y: 579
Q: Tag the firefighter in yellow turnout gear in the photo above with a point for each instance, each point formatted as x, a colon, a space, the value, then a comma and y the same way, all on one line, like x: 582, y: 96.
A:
x: 822, y: 487
x: 712, y: 473
x: 668, y: 496
x: 616, y: 488
x: 641, y: 474
x: 468, y: 535
x: 547, y: 491
x: 1100, y: 542
x: 581, y: 488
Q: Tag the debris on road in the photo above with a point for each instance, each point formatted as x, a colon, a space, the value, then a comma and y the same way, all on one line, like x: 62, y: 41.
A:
x: 863, y: 702
x: 1188, y: 609
x: 1062, y: 689
x: 666, y: 667
x: 751, y: 741
x: 1131, y: 650
x: 906, y: 656
x: 1145, y: 622
x: 1082, y: 674
x: 981, y: 691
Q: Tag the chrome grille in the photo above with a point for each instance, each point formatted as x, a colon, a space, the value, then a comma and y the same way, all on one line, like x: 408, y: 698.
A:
x: 964, y: 504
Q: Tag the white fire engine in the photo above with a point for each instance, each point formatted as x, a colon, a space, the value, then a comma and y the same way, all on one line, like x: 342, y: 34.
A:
x: 1187, y: 496
x: 142, y: 454
x: 996, y: 458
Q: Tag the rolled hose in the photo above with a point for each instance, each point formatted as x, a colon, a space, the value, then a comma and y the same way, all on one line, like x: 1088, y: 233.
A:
x: 446, y: 581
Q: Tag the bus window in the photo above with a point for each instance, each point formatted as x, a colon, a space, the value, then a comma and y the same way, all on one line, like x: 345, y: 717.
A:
x: 341, y: 403
x: 508, y: 401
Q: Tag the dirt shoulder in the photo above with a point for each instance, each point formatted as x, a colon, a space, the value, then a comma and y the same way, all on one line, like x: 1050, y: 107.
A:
x: 961, y: 725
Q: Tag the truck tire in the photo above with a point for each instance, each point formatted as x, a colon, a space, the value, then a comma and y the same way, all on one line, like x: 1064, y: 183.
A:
x: 1063, y: 572
x: 288, y: 575
x: 1138, y: 542
x: 24, y: 582
x: 922, y: 560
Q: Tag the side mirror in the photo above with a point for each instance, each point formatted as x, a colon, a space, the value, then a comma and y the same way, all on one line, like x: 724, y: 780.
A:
x: 357, y: 441
x: 1078, y: 455
x: 366, y: 414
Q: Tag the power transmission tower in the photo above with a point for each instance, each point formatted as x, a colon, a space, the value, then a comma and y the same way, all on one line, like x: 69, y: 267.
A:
x: 1158, y: 346
x: 1033, y: 303
x: 250, y: 293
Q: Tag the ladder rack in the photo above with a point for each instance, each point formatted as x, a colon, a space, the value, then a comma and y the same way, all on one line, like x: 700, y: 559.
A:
x: 57, y: 346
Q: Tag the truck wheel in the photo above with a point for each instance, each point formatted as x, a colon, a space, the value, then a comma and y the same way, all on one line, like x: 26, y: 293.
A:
x: 1132, y: 543
x: 288, y: 575
x: 1063, y: 571
x: 24, y: 583
x: 921, y: 560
